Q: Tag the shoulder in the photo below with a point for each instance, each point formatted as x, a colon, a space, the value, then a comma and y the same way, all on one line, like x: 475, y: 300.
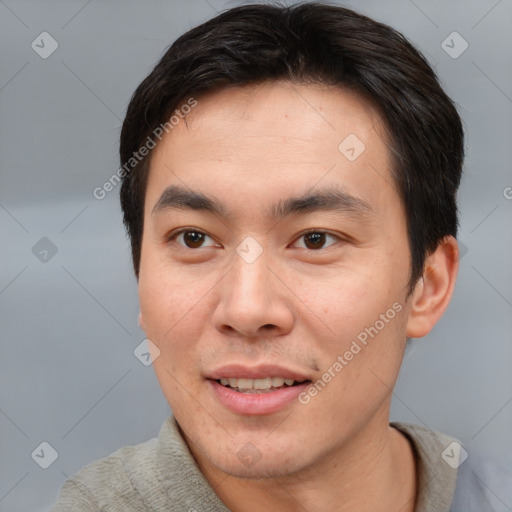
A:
x: 461, y: 473
x: 484, y: 480
x: 158, y: 475
x: 436, y: 457
x: 110, y: 483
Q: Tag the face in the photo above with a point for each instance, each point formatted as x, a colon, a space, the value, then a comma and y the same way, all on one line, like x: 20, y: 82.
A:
x: 275, y: 247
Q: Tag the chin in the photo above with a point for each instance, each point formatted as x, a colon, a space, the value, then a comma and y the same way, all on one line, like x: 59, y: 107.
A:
x: 261, y: 469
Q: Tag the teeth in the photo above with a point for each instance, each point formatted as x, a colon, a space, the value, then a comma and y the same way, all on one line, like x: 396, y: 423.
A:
x: 265, y: 383
x: 277, y: 382
x: 244, y: 383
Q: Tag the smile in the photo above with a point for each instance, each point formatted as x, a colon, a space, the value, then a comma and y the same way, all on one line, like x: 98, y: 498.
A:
x: 257, y: 386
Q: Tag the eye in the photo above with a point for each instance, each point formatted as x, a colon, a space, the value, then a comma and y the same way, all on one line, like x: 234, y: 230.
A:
x: 190, y: 238
x: 316, y: 239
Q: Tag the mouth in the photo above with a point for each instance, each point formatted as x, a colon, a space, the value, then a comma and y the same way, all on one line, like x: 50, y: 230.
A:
x: 257, y: 390
x: 259, y: 386
x: 261, y: 396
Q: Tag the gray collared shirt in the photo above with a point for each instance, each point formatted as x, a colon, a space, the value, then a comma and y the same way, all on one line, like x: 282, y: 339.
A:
x: 161, y: 475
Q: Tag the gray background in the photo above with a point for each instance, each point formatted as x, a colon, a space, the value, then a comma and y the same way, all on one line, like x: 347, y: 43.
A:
x: 68, y: 374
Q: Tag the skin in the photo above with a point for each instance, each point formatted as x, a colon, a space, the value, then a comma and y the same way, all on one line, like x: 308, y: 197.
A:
x: 300, y: 307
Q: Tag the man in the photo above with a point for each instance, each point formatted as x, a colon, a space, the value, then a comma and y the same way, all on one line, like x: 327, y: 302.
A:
x: 289, y: 188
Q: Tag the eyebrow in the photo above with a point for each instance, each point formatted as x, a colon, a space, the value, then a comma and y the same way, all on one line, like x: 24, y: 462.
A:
x: 328, y: 199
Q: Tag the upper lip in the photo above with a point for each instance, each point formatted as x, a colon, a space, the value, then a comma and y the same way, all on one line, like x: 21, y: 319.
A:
x: 241, y: 371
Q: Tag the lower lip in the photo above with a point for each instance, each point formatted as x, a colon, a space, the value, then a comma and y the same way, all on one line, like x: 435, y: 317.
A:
x: 256, y: 403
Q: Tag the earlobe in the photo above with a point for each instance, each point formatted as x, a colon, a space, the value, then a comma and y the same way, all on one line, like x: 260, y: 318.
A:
x: 141, y: 322
x: 434, y: 289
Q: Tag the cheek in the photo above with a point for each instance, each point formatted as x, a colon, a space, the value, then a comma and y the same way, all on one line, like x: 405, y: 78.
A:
x: 366, y: 319
x: 168, y: 293
x: 167, y: 307
x: 173, y: 318
x: 349, y: 302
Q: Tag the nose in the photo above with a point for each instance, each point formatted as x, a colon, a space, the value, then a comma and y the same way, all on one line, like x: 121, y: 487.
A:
x: 254, y: 301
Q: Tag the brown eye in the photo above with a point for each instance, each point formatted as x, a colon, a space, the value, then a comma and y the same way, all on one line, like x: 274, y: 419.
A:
x: 191, y: 239
x: 315, y: 240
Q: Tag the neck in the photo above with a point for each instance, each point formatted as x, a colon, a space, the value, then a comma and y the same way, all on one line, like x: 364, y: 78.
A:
x: 375, y: 470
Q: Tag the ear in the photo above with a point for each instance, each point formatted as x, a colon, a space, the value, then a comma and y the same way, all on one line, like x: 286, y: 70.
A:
x: 141, y: 321
x: 434, y: 289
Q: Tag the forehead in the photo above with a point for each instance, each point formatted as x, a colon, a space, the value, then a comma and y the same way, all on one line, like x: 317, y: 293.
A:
x: 274, y: 139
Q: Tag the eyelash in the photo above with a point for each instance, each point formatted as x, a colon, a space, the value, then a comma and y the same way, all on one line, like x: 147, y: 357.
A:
x: 172, y: 236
